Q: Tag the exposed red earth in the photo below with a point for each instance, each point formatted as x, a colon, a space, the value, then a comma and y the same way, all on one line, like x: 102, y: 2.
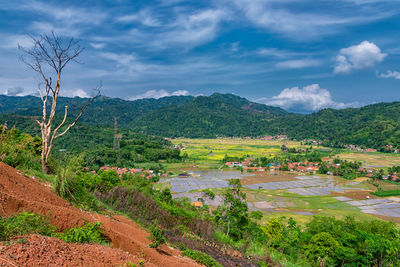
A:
x: 130, y: 242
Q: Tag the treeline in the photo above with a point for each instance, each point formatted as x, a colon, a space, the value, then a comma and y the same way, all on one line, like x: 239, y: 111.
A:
x: 101, y: 112
x: 372, y: 126
x: 95, y: 144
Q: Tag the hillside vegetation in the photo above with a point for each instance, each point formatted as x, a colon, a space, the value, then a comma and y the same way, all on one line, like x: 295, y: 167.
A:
x: 371, y: 126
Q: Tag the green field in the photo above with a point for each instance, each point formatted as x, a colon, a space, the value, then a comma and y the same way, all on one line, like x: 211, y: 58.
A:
x: 212, y: 150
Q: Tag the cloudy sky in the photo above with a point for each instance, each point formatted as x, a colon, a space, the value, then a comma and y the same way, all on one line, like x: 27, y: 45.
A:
x: 299, y: 55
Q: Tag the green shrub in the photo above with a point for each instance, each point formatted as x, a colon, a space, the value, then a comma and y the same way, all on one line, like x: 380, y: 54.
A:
x: 89, y: 233
x: 157, y: 237
x: 30, y: 223
x: 23, y: 224
x: 165, y: 195
x: 107, y: 180
x: 201, y: 258
x: 74, y: 192
x: 19, y: 150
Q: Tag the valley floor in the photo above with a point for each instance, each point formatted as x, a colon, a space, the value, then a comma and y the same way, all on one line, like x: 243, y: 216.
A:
x: 283, y: 193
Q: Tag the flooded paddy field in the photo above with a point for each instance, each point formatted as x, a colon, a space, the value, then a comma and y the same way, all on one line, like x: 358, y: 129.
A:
x: 289, y: 194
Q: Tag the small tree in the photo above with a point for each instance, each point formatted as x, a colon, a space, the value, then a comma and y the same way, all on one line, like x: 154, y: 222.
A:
x: 233, y: 214
x: 50, y: 54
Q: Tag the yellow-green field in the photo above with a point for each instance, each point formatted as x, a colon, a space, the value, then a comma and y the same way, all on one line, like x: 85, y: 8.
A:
x: 372, y: 159
x: 215, y: 149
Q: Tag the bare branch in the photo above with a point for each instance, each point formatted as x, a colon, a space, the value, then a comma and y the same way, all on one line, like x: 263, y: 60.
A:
x: 79, y: 114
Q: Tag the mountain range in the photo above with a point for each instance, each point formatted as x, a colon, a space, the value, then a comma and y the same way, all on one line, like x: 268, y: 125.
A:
x: 220, y: 115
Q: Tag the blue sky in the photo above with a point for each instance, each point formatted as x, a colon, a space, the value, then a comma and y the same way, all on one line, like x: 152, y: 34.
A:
x: 299, y: 55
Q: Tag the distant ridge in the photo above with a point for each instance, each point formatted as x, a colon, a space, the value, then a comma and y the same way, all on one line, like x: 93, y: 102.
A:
x: 373, y: 125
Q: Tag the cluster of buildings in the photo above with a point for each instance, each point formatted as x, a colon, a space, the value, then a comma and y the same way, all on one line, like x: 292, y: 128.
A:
x: 311, y: 142
x: 390, y: 148
x: 357, y: 148
x: 303, y: 167
x: 181, y: 148
x: 270, y: 137
x: 394, y: 177
x: 121, y: 171
x: 295, y: 166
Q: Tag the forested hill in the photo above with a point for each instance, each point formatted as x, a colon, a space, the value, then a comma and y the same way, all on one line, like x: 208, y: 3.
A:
x: 211, y: 116
x: 372, y: 126
x: 227, y: 115
x: 101, y: 112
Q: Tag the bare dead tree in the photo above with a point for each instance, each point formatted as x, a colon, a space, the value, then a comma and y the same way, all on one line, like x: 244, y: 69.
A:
x: 48, y: 56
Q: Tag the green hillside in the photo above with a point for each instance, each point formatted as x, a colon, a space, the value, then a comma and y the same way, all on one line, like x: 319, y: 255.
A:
x: 211, y: 116
x: 101, y: 112
x: 372, y: 126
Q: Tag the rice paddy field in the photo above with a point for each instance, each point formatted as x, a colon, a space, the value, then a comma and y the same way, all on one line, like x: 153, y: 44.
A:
x: 278, y: 193
x: 215, y: 149
x: 372, y: 159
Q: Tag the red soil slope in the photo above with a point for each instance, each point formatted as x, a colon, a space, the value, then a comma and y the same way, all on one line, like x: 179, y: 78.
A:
x: 38, y: 250
x: 18, y: 193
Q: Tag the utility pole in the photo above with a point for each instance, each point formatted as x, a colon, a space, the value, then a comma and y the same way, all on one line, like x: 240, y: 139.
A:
x: 117, y: 136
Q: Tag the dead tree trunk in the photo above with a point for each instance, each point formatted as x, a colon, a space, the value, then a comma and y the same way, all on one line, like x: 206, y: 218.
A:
x: 50, y: 54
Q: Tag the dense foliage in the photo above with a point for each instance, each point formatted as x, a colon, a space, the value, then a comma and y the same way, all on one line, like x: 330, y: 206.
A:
x: 95, y: 144
x: 373, y: 126
x: 101, y: 112
x: 215, y: 115
x: 19, y: 150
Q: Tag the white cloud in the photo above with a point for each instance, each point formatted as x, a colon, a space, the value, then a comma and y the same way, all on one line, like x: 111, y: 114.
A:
x: 159, y: 93
x: 121, y: 59
x: 298, y: 63
x: 144, y: 16
x: 12, y: 41
x: 356, y: 57
x: 284, y: 16
x: 15, y: 91
x: 97, y: 45
x: 62, y: 30
x: 185, y: 30
x: 306, y: 99
x: 196, y: 28
x: 75, y: 92
x: 390, y: 74
x: 66, y: 14
x: 278, y: 53
x: 64, y: 19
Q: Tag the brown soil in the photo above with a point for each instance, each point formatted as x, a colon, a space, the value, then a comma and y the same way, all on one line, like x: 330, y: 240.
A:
x: 36, y: 250
x: 267, y: 177
x: 355, y: 194
x: 18, y: 193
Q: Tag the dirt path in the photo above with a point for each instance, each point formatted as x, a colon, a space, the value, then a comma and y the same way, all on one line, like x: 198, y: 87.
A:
x: 18, y: 193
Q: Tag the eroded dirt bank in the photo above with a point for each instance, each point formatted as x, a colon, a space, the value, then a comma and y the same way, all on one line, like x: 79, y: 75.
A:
x: 19, y: 193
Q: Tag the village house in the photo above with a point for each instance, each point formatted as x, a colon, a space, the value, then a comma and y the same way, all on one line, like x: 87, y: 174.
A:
x: 303, y: 167
x: 121, y: 171
x: 257, y: 169
x: 197, y: 204
x: 234, y: 164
